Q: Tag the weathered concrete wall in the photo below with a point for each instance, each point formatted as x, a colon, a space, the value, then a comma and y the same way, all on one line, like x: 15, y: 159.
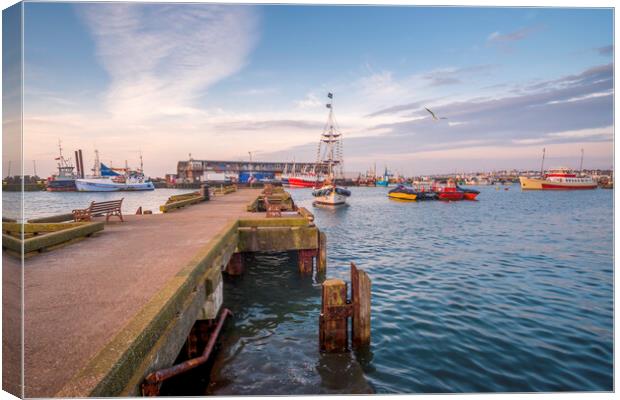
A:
x: 257, y: 239
x: 154, y: 337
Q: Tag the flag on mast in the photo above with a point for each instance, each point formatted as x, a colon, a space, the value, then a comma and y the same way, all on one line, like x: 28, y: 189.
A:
x: 330, y: 95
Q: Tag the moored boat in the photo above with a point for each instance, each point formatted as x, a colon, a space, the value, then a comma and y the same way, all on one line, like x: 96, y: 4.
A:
x: 304, y: 181
x: 448, y: 191
x: 468, y: 194
x: 108, y: 180
x: 402, y: 192
x: 64, y: 179
x: 330, y: 156
x: 558, y: 179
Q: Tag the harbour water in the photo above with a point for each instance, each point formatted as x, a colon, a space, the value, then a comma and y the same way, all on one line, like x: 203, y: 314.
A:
x: 42, y: 204
x: 513, y: 292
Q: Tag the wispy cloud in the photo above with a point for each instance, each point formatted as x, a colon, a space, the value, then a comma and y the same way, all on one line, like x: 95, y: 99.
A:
x: 506, y: 41
x: 451, y: 76
x: 310, y: 101
x: 161, y: 58
x: 514, y: 36
x: 605, y: 50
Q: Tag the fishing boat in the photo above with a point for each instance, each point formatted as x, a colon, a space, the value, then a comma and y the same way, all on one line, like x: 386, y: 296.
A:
x: 558, y: 179
x: 448, y: 191
x: 304, y: 181
x: 107, y: 179
x: 64, y: 179
x: 384, y: 181
x: 401, y: 192
x: 329, y: 155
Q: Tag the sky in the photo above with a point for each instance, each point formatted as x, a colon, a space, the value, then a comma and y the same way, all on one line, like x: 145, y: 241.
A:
x: 219, y: 81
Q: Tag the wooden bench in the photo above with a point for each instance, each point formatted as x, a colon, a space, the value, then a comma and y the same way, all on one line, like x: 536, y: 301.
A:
x: 107, y: 208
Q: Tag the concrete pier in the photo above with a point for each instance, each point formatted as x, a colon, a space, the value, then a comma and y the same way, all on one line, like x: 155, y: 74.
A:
x: 102, y: 313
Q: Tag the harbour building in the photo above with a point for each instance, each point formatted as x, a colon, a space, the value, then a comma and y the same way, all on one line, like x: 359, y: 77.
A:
x: 195, y: 171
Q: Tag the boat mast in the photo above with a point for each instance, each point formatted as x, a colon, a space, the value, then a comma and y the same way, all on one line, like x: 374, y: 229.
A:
x: 542, y: 165
x: 581, y: 162
x: 332, y: 155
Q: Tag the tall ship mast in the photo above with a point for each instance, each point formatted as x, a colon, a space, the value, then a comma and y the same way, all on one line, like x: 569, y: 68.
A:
x: 329, y: 152
x: 330, y: 160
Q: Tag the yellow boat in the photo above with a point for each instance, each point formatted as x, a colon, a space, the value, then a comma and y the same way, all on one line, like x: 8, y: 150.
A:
x: 402, y: 196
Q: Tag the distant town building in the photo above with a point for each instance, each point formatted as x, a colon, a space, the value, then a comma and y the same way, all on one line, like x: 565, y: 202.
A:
x: 193, y: 171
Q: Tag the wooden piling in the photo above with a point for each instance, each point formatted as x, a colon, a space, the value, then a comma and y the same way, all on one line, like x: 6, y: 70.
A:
x: 235, y: 265
x: 305, y: 260
x: 321, y: 259
x: 360, y: 299
x: 333, y: 320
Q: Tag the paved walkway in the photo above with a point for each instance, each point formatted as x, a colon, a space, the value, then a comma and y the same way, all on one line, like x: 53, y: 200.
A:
x: 77, y: 298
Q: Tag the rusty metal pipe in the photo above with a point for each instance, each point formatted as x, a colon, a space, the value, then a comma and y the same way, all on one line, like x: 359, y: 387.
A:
x: 151, y: 384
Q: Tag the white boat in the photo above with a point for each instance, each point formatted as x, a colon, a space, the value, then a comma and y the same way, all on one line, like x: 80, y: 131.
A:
x: 558, y: 179
x: 105, y: 184
x: 108, y: 180
x: 330, y: 195
x: 330, y: 156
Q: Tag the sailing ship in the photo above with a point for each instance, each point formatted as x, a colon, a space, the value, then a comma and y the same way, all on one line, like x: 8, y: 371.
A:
x: 107, y: 179
x: 64, y: 179
x: 329, y: 156
x: 558, y: 179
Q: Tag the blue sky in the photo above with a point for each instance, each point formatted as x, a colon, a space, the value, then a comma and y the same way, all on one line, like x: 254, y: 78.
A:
x: 219, y: 81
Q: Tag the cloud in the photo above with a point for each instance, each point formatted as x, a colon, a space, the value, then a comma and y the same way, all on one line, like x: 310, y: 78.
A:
x: 161, y: 57
x: 310, y: 101
x: 569, y: 112
x: 605, y: 50
x: 381, y: 84
x: 515, y: 36
x: 569, y: 103
x: 452, y: 76
x: 269, y: 125
x: 402, y: 107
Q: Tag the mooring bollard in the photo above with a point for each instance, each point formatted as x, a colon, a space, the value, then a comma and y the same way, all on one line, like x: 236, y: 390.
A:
x: 335, y: 309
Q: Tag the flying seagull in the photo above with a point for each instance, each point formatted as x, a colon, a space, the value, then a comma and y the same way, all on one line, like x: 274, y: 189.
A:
x: 433, y: 114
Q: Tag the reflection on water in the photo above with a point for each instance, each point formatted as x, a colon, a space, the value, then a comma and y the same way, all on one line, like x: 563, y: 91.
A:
x: 42, y: 204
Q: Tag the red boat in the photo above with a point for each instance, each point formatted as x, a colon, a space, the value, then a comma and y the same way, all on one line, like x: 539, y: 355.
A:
x: 469, y: 194
x: 448, y: 191
x: 450, y: 194
x: 304, y: 181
